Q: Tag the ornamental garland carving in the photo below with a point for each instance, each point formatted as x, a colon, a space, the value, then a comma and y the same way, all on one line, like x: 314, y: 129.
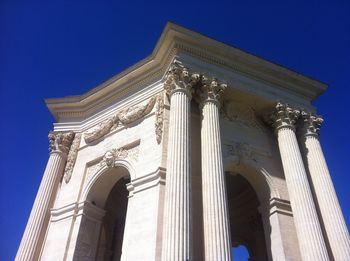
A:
x: 100, y: 130
x: 125, y: 116
x: 134, y: 113
x: 159, y: 117
x: 60, y: 141
x: 72, y: 156
x: 311, y: 124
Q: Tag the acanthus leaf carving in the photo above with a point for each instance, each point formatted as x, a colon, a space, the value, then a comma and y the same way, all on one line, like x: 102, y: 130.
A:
x: 311, y: 124
x: 72, y: 156
x: 284, y: 116
x: 159, y: 117
x: 179, y: 78
x: 60, y: 141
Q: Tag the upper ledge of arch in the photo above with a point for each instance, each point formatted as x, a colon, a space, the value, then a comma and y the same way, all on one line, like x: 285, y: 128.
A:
x: 175, y: 38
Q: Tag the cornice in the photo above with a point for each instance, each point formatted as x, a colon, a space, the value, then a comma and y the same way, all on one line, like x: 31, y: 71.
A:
x: 173, y: 40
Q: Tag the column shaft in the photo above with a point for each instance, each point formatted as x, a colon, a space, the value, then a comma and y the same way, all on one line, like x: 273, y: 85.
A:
x: 215, y: 213
x: 177, y: 225
x: 331, y: 213
x: 36, y: 227
x: 311, y: 242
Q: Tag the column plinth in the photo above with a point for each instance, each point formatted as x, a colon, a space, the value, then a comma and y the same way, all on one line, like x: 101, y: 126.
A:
x: 34, y: 233
x: 309, y: 233
x: 215, y: 211
x: 329, y: 207
x: 177, y: 210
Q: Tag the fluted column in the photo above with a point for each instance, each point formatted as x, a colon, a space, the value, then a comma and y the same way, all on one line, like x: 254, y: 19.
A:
x: 217, y: 241
x: 311, y: 241
x: 177, y: 209
x: 331, y: 213
x: 34, y: 233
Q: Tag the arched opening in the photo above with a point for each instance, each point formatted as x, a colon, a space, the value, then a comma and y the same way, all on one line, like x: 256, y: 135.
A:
x: 113, y: 223
x: 101, y: 231
x: 245, y: 220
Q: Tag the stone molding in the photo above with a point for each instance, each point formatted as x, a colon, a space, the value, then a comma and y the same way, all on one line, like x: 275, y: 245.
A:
x: 159, y: 117
x: 124, y: 117
x: 311, y: 124
x: 60, y: 142
x: 147, y: 181
x: 275, y: 205
x: 284, y: 116
x: 72, y: 156
x: 180, y: 79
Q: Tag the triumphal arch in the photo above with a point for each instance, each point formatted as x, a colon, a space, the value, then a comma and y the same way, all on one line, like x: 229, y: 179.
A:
x: 196, y: 149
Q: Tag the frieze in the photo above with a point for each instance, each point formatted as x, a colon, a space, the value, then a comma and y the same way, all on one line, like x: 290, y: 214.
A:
x: 243, y: 152
x: 72, y: 156
x: 240, y: 113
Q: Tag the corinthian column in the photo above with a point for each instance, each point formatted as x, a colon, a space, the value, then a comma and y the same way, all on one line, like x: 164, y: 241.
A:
x: 217, y: 241
x: 177, y: 217
x: 34, y: 233
x: 311, y: 242
x: 331, y: 213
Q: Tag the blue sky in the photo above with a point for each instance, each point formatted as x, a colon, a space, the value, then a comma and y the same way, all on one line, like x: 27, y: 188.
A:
x: 61, y: 48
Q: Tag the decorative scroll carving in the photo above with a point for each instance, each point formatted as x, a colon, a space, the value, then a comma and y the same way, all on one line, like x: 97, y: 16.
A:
x: 125, y: 116
x: 179, y: 78
x: 72, y: 156
x: 134, y: 113
x: 210, y: 90
x: 284, y: 116
x: 100, y: 130
x: 60, y: 141
x: 311, y: 124
x: 241, y: 113
x: 159, y: 118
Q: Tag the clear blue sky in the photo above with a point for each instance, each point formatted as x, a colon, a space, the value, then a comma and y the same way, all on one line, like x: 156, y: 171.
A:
x: 61, y: 48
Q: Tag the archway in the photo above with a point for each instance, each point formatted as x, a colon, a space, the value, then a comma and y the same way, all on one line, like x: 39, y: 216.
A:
x: 245, y: 220
x: 101, y: 236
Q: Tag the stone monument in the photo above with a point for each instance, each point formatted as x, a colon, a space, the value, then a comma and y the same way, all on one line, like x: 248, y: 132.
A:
x: 194, y: 150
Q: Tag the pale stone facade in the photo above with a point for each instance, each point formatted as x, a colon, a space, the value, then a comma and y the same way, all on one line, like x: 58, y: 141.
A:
x: 196, y: 149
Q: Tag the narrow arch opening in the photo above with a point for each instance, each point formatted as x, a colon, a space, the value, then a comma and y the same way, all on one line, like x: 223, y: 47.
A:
x: 247, y: 232
x: 113, y: 223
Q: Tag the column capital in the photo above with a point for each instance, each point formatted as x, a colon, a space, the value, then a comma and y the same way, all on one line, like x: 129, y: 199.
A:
x: 311, y: 124
x: 60, y: 142
x: 284, y: 116
x: 180, y: 79
x: 211, y: 90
